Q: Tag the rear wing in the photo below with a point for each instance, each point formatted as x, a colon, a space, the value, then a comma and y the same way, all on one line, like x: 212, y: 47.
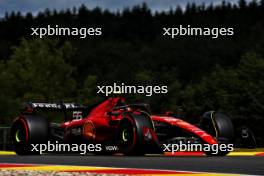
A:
x: 78, y: 111
x: 30, y: 107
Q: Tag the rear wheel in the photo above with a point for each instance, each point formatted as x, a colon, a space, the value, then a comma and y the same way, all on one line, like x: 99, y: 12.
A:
x: 28, y: 130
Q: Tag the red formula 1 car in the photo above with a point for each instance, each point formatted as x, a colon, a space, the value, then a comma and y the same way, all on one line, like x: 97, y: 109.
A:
x: 130, y: 127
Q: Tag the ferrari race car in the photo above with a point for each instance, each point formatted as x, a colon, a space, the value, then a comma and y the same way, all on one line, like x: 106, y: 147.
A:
x: 130, y: 127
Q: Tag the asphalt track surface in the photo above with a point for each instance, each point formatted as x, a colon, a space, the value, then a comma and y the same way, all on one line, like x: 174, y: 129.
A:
x: 230, y: 164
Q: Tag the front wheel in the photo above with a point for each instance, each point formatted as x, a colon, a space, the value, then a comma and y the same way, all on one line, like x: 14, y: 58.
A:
x: 219, y: 126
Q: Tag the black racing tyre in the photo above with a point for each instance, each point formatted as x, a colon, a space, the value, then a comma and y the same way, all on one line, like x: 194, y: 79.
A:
x: 220, y: 126
x: 27, y: 130
x: 130, y: 136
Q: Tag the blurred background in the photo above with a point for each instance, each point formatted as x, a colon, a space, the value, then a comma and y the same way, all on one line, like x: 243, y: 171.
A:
x: 224, y: 74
